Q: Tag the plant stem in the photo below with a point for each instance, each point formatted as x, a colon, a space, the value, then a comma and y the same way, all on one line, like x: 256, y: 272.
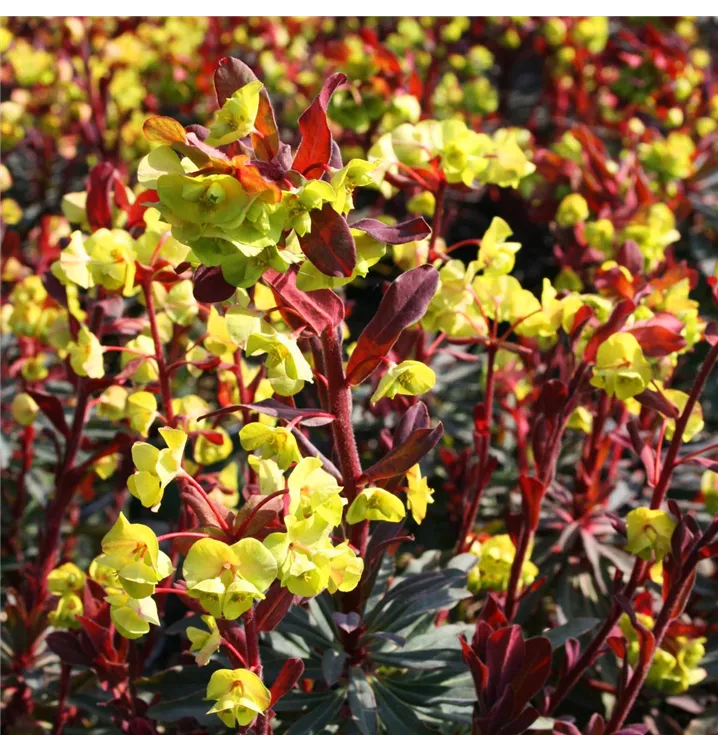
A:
x: 164, y: 376
x: 340, y: 405
x: 571, y: 677
x: 254, y: 660
x: 661, y: 488
x: 481, y: 479
x: 436, y: 221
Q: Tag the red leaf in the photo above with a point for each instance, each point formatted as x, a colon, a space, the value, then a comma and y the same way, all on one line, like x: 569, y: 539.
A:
x: 659, y: 336
x: 211, y: 286
x: 534, y: 672
x: 51, y: 408
x: 658, y: 402
x: 315, y: 148
x: 410, y: 230
x: 287, y: 678
x: 618, y: 317
x: 532, y: 492
x: 330, y: 245
x: 644, y: 451
x: 99, y: 196
x: 400, y: 459
x: 403, y: 305
x: 552, y: 398
x: 318, y: 309
x: 215, y: 438
x: 271, y: 610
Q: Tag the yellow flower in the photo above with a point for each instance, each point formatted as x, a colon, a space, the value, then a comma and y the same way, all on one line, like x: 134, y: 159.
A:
x: 74, y: 263
x: 236, y: 118
x: 156, y: 468
x: 621, y: 369
x: 132, y: 617
x: 493, y: 571
x: 572, y: 210
x: 112, y: 403
x: 141, y: 411
x: 272, y: 442
x: 418, y: 494
x: 113, y: 259
x: 239, y: 696
x: 86, y: 355
x: 227, y: 580
x: 375, y: 504
x: 409, y: 378
x: 649, y: 533
x: 496, y: 256
x: 142, y: 346
x: 203, y: 642
x: 24, y: 409
x: 132, y: 550
x: 695, y: 421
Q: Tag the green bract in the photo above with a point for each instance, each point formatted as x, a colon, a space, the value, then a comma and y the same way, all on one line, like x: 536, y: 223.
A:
x: 239, y: 696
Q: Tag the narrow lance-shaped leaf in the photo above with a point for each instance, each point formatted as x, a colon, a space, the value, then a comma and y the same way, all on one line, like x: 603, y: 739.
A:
x: 362, y: 702
x: 273, y: 408
x: 287, y: 678
x: 99, y: 199
x: 315, y: 148
x: 416, y: 417
x: 403, y: 305
x: 318, y: 309
x: 410, y: 230
x: 400, y: 459
x: 330, y: 245
x: 272, y: 609
x: 51, y: 408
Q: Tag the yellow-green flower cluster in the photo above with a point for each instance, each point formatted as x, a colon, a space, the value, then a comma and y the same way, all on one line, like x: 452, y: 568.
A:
x: 493, y: 571
x: 130, y: 567
x: 675, y: 664
x: 306, y: 559
x: 67, y: 582
x: 466, y: 157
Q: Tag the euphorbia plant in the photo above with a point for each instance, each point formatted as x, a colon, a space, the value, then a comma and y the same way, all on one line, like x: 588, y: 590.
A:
x: 191, y: 353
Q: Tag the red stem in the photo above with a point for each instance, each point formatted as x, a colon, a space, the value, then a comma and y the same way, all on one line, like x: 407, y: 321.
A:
x: 661, y: 488
x: 164, y: 376
x: 340, y: 405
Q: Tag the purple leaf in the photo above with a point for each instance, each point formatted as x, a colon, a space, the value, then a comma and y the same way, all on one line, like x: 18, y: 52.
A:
x: 330, y: 245
x: 347, y: 622
x: 210, y: 286
x: 400, y: 459
x: 410, y: 230
x: 273, y: 408
x: 51, y: 407
x: 318, y: 309
x: 403, y: 305
x: 416, y: 417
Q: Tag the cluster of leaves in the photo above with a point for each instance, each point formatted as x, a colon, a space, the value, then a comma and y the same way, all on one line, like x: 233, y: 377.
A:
x: 471, y: 507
